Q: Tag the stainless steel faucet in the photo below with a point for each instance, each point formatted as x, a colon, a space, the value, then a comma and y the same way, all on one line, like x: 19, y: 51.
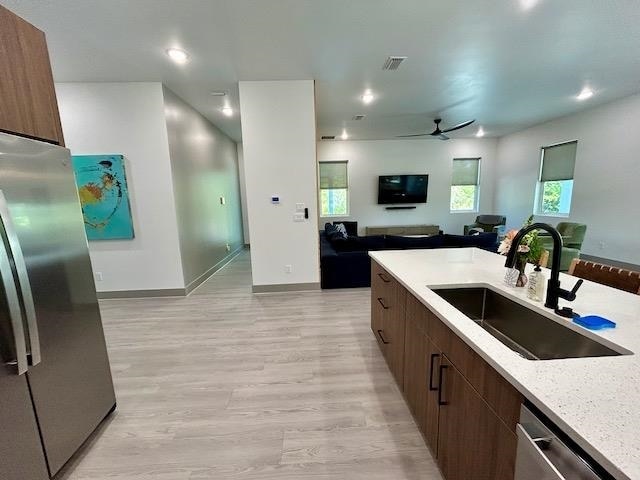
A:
x: 554, y: 292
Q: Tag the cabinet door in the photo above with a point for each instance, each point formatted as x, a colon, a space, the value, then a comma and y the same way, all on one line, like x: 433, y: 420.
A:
x: 473, y: 443
x: 432, y: 408
x: 416, y: 372
x: 27, y: 94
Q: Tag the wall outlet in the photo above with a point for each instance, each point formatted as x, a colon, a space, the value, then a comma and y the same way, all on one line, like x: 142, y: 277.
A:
x: 228, y: 247
x: 298, y: 217
x: 288, y: 268
x: 98, y: 276
x: 299, y: 207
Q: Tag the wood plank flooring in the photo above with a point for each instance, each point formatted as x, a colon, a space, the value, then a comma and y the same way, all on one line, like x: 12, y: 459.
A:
x: 225, y: 384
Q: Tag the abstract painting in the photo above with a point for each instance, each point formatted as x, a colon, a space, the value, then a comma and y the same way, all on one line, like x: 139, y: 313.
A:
x: 102, y: 186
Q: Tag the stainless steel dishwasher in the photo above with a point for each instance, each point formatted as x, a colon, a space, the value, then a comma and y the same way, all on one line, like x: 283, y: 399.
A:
x: 542, y: 455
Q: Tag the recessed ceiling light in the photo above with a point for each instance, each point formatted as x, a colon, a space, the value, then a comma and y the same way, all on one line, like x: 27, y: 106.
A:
x: 480, y: 132
x: 585, y: 94
x: 528, y: 4
x: 179, y: 56
x: 227, y: 111
x: 344, y: 135
x: 367, y: 97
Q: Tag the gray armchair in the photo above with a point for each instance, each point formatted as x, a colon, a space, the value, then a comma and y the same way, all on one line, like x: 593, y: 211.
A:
x: 488, y: 223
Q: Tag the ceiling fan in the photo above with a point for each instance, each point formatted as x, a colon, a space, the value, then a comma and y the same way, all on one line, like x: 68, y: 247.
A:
x: 437, y: 133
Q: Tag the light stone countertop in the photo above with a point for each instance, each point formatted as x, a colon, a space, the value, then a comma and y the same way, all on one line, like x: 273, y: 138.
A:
x: 596, y: 401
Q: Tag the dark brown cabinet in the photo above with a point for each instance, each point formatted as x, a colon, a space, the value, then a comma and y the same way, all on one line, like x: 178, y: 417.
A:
x: 473, y: 441
x: 388, y: 319
x: 28, y: 105
x: 466, y: 410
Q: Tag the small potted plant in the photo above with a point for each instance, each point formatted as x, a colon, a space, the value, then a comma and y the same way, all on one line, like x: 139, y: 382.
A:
x: 530, y: 250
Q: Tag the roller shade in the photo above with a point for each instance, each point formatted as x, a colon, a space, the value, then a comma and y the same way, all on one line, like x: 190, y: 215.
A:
x: 465, y: 171
x: 558, y: 162
x: 333, y: 174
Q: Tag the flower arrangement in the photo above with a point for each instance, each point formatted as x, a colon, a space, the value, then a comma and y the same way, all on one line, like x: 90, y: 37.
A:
x: 530, y: 249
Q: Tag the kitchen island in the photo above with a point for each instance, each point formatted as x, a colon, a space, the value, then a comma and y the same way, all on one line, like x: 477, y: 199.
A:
x: 593, y: 400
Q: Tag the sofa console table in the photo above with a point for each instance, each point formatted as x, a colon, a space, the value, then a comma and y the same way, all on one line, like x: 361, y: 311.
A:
x: 404, y: 230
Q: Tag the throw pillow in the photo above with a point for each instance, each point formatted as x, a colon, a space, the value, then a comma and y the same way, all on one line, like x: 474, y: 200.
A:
x: 341, y: 228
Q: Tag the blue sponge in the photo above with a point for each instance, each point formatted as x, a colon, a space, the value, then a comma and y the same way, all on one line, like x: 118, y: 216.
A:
x: 594, y: 322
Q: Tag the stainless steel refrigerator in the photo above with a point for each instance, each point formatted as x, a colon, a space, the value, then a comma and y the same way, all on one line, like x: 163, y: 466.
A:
x: 55, y: 381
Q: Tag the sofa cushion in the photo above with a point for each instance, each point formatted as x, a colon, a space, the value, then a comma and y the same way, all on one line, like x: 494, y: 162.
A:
x: 486, y: 241
x: 394, y: 241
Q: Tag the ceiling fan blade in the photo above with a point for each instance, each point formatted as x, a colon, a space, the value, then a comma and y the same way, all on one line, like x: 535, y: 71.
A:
x: 415, y: 135
x: 458, y: 127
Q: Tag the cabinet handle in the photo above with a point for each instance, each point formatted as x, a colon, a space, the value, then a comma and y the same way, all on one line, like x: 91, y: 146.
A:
x: 381, y: 337
x: 383, y: 278
x: 440, y: 381
x: 433, y: 357
x: 382, y: 303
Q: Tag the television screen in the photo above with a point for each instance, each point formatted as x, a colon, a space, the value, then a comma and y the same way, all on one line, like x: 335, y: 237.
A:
x: 402, y: 189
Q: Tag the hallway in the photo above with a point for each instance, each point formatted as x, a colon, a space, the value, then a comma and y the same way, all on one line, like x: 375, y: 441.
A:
x: 228, y: 384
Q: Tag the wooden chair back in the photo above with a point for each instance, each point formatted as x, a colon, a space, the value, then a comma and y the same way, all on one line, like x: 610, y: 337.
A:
x: 615, y: 277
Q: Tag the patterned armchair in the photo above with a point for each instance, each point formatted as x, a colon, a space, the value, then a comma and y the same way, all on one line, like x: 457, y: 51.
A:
x: 488, y: 223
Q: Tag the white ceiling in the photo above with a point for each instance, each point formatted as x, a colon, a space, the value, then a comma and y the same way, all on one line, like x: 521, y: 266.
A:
x: 507, y: 63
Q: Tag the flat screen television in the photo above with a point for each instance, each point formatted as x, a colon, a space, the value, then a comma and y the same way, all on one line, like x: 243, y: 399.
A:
x: 394, y: 189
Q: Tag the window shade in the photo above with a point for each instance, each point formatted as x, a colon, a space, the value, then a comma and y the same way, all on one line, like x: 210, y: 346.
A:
x: 558, y: 162
x: 333, y: 175
x: 465, y: 171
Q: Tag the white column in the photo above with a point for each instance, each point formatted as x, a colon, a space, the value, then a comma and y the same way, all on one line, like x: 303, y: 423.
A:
x: 279, y: 143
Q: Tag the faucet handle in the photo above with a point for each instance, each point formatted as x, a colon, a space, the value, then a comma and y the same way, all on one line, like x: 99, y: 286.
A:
x: 575, y: 288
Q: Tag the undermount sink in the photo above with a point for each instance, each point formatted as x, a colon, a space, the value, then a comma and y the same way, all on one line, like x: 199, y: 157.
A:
x: 523, y: 330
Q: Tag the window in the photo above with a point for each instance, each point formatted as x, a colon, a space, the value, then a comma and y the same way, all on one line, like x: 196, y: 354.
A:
x: 555, y: 185
x: 334, y: 201
x: 465, y: 184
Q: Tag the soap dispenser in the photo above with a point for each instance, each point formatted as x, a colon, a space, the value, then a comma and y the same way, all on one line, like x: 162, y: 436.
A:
x: 535, y: 289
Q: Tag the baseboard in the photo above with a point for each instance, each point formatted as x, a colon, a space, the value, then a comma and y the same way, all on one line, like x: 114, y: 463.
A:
x: 205, y: 276
x: 285, y: 287
x: 164, y: 292
x: 608, y: 261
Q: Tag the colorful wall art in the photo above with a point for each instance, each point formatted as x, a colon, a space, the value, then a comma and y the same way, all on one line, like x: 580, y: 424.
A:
x: 102, y: 186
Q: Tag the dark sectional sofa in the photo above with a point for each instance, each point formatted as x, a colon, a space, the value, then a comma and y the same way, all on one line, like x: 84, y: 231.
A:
x: 345, y: 262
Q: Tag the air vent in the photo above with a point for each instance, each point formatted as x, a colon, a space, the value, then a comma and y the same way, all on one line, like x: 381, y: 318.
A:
x: 358, y: 117
x: 393, y: 62
x: 218, y: 94
x: 328, y: 137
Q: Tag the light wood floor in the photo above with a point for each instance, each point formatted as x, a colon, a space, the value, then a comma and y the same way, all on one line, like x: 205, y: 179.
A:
x: 225, y: 384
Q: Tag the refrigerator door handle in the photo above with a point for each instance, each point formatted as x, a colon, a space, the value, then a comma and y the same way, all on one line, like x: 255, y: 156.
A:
x: 15, y: 314
x: 23, y: 279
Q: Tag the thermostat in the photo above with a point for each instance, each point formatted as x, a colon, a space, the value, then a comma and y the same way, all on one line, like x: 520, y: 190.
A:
x: 275, y: 199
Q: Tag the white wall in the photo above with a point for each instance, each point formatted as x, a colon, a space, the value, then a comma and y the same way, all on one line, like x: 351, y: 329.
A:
x: 606, y: 179
x: 369, y: 159
x: 243, y: 196
x: 278, y: 136
x: 128, y: 119
x: 204, y: 165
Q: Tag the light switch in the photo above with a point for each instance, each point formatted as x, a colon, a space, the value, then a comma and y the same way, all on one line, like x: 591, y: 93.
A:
x: 298, y: 217
x: 299, y: 207
x: 222, y: 200
x: 275, y: 199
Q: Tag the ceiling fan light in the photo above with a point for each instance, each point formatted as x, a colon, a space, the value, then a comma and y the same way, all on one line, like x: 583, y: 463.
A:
x: 480, y: 132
